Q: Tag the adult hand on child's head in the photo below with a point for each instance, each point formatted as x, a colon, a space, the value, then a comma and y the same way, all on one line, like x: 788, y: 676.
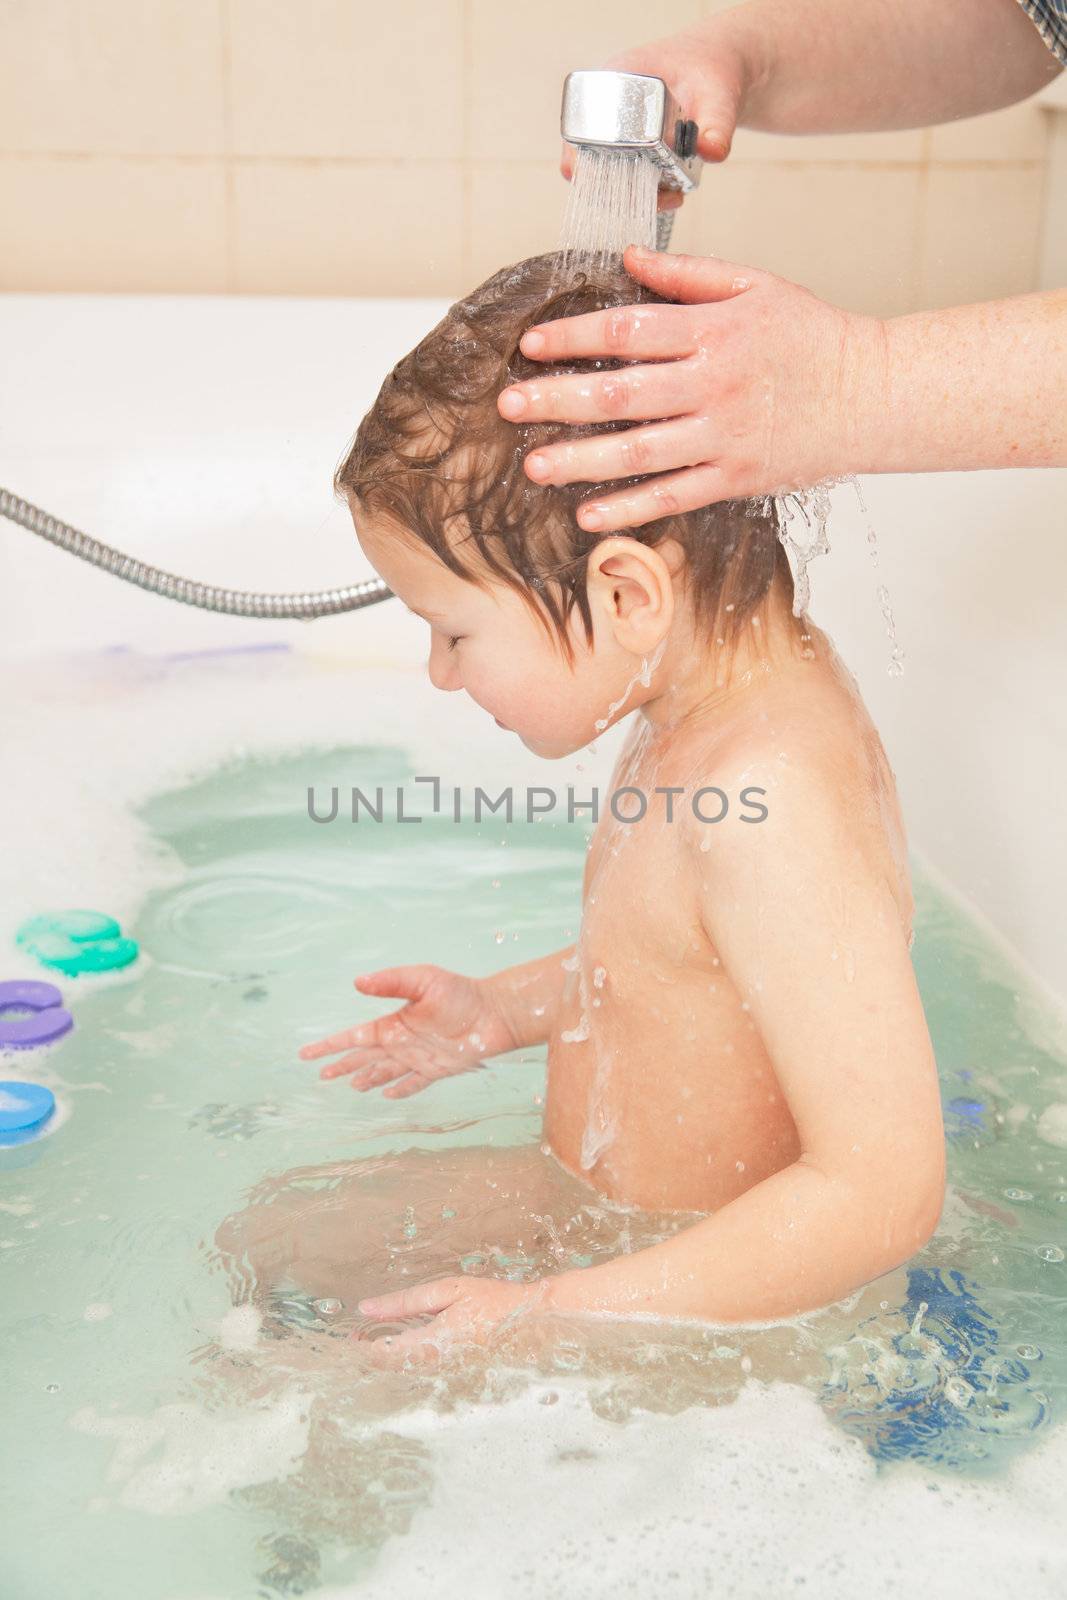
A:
x: 709, y: 85
x: 756, y: 385
x: 448, y: 1025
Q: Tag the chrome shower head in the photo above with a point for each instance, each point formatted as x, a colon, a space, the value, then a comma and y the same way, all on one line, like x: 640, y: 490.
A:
x: 632, y: 111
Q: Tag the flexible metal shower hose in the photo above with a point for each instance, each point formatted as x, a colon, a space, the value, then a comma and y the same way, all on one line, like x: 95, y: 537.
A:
x: 234, y: 602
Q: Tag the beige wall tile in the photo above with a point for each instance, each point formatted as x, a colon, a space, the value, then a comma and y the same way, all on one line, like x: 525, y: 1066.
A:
x: 378, y: 228
x: 123, y: 78
x: 980, y: 234
x: 517, y: 210
x: 519, y: 59
x: 1052, y: 264
x: 347, y: 78
x: 848, y: 234
x: 102, y: 223
x: 1015, y: 134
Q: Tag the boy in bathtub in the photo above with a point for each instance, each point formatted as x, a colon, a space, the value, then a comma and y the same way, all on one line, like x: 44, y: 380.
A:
x: 736, y: 1039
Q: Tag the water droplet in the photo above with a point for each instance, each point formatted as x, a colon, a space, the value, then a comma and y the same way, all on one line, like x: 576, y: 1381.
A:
x: 958, y: 1392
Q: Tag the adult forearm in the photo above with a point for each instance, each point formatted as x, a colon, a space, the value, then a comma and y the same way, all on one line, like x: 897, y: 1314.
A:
x: 528, y: 996
x: 837, y: 66
x: 800, y: 1240
x: 973, y: 386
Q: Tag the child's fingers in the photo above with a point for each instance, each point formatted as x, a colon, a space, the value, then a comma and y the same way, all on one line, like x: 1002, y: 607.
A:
x: 368, y: 1057
x: 348, y: 1037
x: 414, y: 1302
x: 410, y: 982
x: 411, y: 1083
x: 377, y: 1073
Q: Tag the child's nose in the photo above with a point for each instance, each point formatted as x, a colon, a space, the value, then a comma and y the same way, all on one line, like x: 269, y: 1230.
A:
x: 442, y: 668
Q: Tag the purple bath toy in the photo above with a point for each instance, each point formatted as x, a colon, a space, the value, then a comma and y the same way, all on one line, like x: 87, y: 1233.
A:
x: 48, y: 1020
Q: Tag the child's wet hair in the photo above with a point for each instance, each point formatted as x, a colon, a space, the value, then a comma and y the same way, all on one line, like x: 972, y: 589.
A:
x: 434, y: 458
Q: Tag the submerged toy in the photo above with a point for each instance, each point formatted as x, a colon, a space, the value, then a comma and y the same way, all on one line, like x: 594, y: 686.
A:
x: 24, y: 1110
x: 77, y: 941
x: 47, y: 1019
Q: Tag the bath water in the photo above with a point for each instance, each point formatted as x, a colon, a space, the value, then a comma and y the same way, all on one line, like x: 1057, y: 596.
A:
x: 168, y: 1438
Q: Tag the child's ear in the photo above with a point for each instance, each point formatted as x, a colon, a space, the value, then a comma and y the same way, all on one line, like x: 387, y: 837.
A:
x: 631, y: 584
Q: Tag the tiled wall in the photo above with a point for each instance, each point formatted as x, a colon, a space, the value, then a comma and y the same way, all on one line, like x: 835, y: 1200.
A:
x: 350, y: 147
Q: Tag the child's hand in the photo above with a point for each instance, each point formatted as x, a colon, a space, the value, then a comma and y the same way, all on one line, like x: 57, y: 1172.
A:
x: 463, y: 1311
x: 448, y: 1025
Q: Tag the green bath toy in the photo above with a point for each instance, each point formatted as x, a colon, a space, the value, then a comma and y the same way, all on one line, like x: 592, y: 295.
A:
x: 77, y: 941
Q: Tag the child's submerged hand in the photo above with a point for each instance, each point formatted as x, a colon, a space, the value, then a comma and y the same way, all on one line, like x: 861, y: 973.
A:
x: 449, y: 1025
x: 463, y: 1312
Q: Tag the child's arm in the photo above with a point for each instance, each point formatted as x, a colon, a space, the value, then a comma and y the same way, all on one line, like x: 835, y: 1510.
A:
x: 448, y: 1024
x: 812, y: 938
x: 528, y: 996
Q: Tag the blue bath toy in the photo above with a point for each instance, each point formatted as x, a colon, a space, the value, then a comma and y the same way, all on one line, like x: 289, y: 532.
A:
x: 954, y: 1389
x: 24, y: 1110
x: 47, y: 1019
x: 77, y: 941
x: 964, y: 1117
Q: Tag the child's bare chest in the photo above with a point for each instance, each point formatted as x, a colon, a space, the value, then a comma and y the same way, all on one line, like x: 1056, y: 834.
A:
x: 660, y: 1091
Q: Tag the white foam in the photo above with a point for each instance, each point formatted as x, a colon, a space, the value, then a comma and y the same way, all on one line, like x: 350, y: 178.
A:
x: 756, y: 1498
x: 239, y: 1328
x: 182, y: 1457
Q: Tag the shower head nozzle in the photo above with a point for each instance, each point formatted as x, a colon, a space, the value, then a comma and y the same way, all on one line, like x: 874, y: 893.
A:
x: 632, y: 111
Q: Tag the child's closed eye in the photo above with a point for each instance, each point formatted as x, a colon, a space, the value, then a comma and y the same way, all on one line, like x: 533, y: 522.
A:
x: 454, y: 640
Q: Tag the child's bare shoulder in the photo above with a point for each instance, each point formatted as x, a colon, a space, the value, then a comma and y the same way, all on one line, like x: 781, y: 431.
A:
x: 802, y: 772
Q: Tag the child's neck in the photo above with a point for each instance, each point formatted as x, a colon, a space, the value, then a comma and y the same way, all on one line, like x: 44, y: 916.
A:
x: 695, y: 678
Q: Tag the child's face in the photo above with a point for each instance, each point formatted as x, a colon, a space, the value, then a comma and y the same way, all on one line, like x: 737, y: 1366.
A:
x: 487, y: 642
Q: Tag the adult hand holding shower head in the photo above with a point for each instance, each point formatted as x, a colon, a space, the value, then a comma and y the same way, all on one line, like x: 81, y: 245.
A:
x: 635, y: 111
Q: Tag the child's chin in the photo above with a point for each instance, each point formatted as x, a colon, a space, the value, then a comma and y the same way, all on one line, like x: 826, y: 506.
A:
x: 549, y: 749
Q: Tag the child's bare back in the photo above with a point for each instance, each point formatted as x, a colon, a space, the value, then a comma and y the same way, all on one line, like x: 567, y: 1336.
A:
x: 661, y: 1091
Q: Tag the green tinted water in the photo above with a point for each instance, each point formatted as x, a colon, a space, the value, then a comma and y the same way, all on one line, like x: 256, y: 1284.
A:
x: 182, y: 1092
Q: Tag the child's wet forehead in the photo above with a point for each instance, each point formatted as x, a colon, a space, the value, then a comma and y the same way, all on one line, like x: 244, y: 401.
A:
x: 420, y: 578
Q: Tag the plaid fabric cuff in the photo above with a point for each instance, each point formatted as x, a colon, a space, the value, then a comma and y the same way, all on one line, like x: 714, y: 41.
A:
x: 1049, y: 17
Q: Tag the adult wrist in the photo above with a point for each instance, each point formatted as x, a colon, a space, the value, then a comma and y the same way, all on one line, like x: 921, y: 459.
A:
x: 751, y: 43
x: 896, y: 430
x: 863, y: 419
